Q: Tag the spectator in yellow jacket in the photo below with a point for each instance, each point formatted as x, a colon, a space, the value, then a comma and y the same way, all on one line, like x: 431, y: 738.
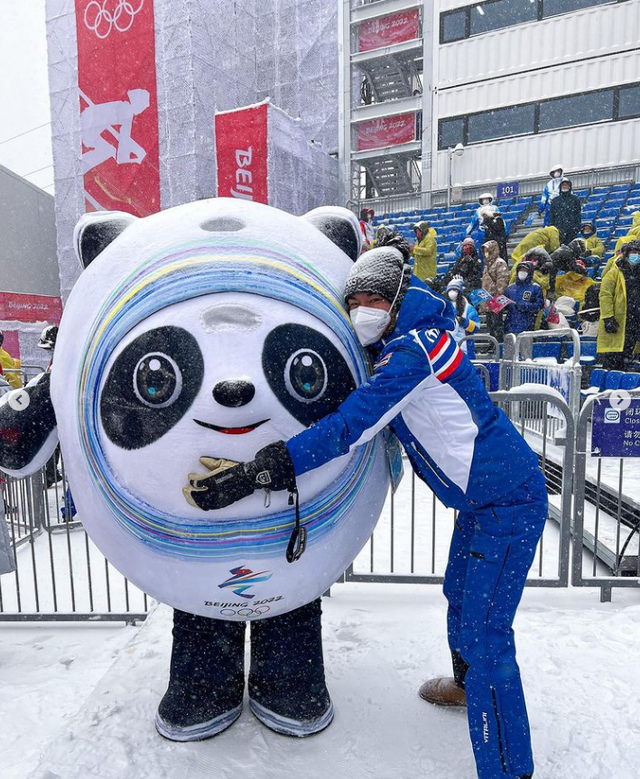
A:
x: 546, y: 237
x: 9, y: 365
x: 425, y: 252
x: 632, y: 235
x: 593, y: 244
x: 574, y: 283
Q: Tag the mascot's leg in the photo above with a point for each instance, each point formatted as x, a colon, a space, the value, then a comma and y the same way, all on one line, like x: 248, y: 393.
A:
x: 287, y: 689
x: 206, y: 683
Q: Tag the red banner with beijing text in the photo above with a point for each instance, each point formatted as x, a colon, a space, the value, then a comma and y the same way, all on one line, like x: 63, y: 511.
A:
x: 397, y: 28
x: 389, y: 131
x: 118, y: 105
x: 242, y: 153
x: 18, y: 307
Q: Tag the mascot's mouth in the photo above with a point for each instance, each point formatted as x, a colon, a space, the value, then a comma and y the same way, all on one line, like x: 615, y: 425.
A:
x: 231, y: 430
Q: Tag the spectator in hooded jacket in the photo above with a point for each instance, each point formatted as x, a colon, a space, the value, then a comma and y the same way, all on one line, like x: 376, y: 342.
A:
x: 550, y: 192
x: 468, y: 265
x: 632, y: 235
x: 619, y: 329
x: 593, y: 245
x: 382, y: 234
x: 467, y: 319
x: 366, y: 225
x: 546, y: 237
x: 566, y: 212
x: 528, y: 301
x: 574, y: 283
x: 495, y: 280
x: 475, y: 228
x: 495, y: 230
x: 543, y: 269
x: 425, y: 251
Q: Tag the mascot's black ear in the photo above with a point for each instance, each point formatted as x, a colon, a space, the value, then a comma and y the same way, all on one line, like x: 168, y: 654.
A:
x: 95, y: 231
x: 340, y: 226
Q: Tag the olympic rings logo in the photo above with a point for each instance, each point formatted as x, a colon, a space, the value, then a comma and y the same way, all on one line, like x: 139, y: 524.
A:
x: 244, y: 612
x: 99, y: 19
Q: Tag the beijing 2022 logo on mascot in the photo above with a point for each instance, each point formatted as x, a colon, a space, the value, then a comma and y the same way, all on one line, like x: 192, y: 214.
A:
x: 213, y: 328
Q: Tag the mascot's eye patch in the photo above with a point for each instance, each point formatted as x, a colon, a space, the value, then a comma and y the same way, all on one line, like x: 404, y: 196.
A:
x: 306, y: 372
x: 151, y: 386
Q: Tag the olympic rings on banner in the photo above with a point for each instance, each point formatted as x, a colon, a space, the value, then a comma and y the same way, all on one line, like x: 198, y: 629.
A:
x: 99, y: 19
x: 244, y: 612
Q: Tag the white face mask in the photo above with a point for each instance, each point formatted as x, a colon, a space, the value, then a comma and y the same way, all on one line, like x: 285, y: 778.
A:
x: 523, y: 275
x: 557, y: 174
x: 453, y: 294
x: 369, y: 323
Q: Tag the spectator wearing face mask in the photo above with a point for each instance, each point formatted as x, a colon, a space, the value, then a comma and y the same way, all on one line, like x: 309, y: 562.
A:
x: 619, y: 329
x: 468, y: 265
x: 495, y: 230
x: 594, y: 246
x: 467, y: 319
x: 476, y: 228
x: 366, y: 225
x: 425, y: 251
x: 566, y: 212
x: 550, y: 192
x: 528, y: 301
x: 495, y: 280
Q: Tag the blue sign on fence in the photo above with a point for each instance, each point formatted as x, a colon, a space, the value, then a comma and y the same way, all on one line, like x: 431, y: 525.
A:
x: 508, y: 189
x: 615, y: 430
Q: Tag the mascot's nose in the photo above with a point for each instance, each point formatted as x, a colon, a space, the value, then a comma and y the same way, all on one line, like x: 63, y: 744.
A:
x: 234, y: 393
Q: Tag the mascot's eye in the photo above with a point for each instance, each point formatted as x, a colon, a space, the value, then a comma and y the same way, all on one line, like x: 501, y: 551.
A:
x: 306, y: 375
x: 305, y: 372
x: 151, y: 386
x: 157, y: 381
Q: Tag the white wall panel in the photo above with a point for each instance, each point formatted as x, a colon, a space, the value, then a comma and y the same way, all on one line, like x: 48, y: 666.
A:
x: 615, y: 143
x: 560, y: 39
x: 541, y: 84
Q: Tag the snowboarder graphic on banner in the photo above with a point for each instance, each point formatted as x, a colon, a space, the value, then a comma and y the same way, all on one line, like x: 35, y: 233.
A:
x: 99, y: 118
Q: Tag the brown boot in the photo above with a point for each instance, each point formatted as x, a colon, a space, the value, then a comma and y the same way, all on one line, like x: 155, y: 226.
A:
x: 443, y: 691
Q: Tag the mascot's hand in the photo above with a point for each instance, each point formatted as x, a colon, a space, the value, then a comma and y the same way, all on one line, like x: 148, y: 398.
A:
x: 226, y: 482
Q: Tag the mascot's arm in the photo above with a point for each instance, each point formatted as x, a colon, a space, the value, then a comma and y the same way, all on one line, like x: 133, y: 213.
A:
x: 401, y: 374
x: 28, y: 432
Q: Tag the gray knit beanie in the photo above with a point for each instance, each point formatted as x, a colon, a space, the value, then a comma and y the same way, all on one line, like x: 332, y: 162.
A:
x: 382, y: 271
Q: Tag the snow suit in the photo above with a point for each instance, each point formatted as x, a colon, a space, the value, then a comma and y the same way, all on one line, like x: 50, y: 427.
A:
x: 566, y: 215
x: 549, y: 194
x: 528, y: 302
x: 459, y: 443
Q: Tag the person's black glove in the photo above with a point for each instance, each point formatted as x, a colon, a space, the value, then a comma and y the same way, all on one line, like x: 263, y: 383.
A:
x: 611, y: 325
x: 225, y: 483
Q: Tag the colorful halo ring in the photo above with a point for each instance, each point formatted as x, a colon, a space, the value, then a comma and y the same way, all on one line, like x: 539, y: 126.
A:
x: 194, y: 271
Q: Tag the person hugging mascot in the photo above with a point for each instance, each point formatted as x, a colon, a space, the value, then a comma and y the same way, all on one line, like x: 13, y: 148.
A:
x: 212, y: 328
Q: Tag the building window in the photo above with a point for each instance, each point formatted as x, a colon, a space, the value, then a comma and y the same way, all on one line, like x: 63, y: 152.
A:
x: 453, y: 26
x: 569, y: 111
x: 451, y: 132
x: 502, y: 122
x: 629, y: 102
x: 501, y: 13
x: 603, y: 105
x: 497, y: 14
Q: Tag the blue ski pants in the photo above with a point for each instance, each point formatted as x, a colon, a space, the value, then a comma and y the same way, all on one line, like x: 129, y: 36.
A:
x: 491, y: 552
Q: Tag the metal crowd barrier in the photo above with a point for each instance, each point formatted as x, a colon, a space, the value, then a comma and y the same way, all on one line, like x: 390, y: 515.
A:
x: 411, y: 541
x: 606, y: 530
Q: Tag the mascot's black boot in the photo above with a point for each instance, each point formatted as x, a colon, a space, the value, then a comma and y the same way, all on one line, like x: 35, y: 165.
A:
x: 287, y: 689
x: 206, y: 683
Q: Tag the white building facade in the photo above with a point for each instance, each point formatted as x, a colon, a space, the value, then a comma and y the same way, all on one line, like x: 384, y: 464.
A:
x: 522, y: 84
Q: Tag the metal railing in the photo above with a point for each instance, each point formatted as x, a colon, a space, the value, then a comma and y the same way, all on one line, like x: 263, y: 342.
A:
x: 606, y: 525
x: 411, y: 541
x: 59, y: 574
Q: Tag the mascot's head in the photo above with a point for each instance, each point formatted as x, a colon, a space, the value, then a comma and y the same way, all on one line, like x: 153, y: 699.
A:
x: 212, y: 329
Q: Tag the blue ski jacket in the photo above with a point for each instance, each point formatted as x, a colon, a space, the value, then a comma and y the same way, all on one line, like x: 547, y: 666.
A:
x: 528, y: 301
x: 426, y: 389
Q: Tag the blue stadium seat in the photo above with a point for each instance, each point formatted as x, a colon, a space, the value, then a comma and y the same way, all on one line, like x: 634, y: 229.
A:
x: 581, y: 193
x: 601, y: 190
x: 609, y: 213
x: 598, y: 378
x: 613, y: 380
x: 630, y: 381
x: 588, y: 349
x: 547, y: 349
x: 621, y: 187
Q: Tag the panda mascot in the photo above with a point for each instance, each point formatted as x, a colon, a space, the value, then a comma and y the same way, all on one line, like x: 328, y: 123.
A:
x: 215, y: 327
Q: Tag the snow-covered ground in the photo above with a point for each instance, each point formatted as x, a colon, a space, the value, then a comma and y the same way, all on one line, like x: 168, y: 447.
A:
x: 381, y: 642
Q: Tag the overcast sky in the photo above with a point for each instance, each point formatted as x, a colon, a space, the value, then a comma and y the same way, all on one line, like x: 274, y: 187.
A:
x: 24, y: 95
